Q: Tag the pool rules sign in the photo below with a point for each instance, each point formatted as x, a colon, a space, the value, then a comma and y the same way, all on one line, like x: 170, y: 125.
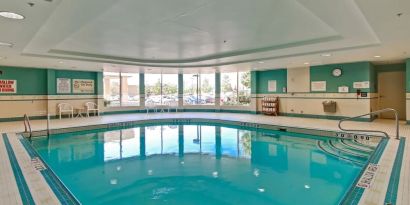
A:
x: 8, y: 86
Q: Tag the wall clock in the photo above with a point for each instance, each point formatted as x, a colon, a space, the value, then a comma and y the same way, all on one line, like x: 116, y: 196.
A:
x: 337, y: 72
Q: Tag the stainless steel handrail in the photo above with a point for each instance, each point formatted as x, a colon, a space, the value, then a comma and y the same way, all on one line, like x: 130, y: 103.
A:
x: 27, y: 125
x: 373, y: 131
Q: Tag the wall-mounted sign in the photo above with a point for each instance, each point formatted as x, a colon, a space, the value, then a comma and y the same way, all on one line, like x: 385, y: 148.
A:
x: 364, y: 84
x: 318, y: 86
x: 8, y: 86
x: 63, y: 85
x: 343, y: 89
x: 272, y: 86
x: 83, y: 86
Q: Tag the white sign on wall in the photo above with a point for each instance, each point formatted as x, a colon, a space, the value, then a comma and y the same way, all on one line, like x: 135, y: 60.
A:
x: 364, y: 84
x: 318, y: 86
x: 272, y: 86
x: 8, y: 86
x: 343, y: 89
x: 83, y: 86
x: 63, y: 85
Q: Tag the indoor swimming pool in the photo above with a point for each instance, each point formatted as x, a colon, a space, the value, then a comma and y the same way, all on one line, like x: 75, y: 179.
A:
x: 203, y: 164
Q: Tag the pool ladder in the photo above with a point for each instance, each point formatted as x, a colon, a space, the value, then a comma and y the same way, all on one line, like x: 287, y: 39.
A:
x: 373, y: 131
x: 27, y: 126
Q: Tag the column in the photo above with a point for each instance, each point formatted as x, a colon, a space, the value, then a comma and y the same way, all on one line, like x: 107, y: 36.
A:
x: 217, y: 91
x: 180, y: 90
x: 142, y: 90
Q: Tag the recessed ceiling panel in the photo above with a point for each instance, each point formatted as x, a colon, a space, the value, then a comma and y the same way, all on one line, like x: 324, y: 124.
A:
x: 195, y: 29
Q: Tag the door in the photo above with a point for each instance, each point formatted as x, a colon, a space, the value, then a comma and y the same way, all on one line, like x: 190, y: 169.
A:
x: 392, y: 90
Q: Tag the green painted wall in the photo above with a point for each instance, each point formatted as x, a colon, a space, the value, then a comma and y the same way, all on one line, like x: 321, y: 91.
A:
x: 351, y: 72
x: 37, y: 81
x: 30, y: 81
x: 262, y: 78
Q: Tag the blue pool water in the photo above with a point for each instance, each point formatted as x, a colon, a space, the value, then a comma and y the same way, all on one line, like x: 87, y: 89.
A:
x: 202, y: 164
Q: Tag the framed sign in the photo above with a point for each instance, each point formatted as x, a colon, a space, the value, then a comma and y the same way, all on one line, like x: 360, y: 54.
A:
x: 63, y: 85
x: 8, y: 86
x: 318, y: 86
x: 83, y: 86
x: 364, y: 84
x: 272, y: 86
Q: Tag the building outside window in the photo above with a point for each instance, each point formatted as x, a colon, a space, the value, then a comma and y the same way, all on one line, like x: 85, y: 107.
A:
x: 236, y: 88
x: 121, y: 89
x: 161, y: 89
x: 199, y: 89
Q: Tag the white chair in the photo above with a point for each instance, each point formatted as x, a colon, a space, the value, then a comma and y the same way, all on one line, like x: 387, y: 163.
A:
x: 172, y: 105
x: 150, y: 105
x: 93, y: 107
x: 65, y: 108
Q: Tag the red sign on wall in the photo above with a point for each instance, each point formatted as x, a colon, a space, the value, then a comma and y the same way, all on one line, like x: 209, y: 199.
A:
x: 8, y: 86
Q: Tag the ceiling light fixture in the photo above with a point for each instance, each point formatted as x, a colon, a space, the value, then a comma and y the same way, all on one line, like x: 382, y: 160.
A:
x: 60, y: 62
x: 326, y: 55
x: 377, y: 56
x: 307, y: 63
x: 261, y: 62
x: 11, y: 15
x: 6, y: 44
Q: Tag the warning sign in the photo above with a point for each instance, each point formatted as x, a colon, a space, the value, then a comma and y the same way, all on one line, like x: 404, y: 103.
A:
x: 8, y: 86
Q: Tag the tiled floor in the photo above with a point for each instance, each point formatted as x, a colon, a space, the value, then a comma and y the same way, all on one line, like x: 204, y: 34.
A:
x: 372, y: 196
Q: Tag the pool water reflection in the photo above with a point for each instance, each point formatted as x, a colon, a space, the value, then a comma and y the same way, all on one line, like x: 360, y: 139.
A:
x: 196, y: 164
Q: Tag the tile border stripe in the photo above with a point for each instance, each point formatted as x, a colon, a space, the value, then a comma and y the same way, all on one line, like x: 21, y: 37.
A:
x: 23, y: 188
x: 60, y: 190
x: 391, y: 194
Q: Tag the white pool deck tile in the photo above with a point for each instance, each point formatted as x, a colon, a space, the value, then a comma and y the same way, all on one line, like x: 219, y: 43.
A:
x: 372, y: 196
x: 9, y: 193
x: 40, y: 190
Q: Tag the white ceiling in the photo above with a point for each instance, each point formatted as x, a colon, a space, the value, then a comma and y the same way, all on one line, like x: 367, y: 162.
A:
x: 203, y: 35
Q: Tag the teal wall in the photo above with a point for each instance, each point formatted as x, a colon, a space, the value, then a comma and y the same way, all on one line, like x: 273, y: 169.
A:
x: 262, y: 78
x: 30, y: 81
x: 37, y: 81
x: 351, y: 72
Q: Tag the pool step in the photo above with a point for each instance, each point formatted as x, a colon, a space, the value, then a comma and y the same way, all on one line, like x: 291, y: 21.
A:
x: 339, y: 147
x: 325, y: 147
x: 356, y: 145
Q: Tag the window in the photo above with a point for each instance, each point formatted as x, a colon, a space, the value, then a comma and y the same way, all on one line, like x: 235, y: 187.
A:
x: 199, y: 89
x: 121, y: 89
x: 236, y: 88
x: 161, y: 89
x: 111, y: 89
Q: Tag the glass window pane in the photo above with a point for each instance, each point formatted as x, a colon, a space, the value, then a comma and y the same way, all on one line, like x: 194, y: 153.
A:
x: 244, y: 90
x: 152, y: 89
x: 111, y: 89
x: 191, y: 89
x: 207, y: 89
x: 130, y: 89
x: 169, y: 89
x: 229, y: 88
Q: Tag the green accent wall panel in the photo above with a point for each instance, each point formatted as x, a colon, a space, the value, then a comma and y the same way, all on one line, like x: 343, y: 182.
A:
x: 30, y: 81
x: 351, y: 72
x: 262, y: 78
x: 77, y: 75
